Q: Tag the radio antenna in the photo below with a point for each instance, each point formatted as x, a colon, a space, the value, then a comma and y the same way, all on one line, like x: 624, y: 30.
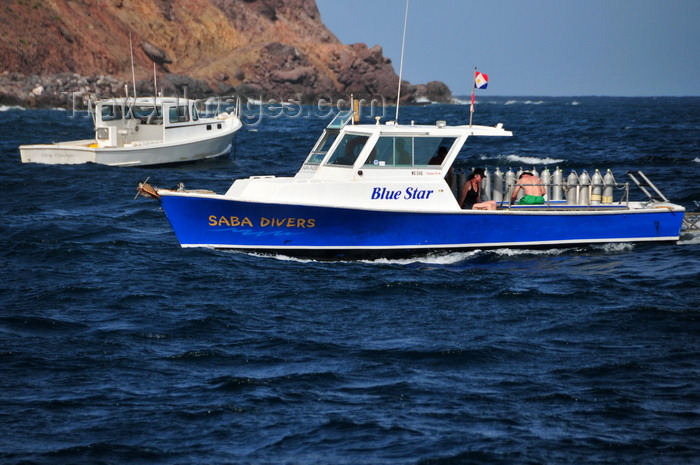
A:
x: 133, y: 76
x: 403, y: 44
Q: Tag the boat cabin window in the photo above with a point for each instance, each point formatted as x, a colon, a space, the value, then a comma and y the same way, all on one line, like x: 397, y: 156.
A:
x: 409, y: 151
x: 111, y: 112
x: 318, y: 153
x: 179, y: 114
x: 347, y: 150
x: 147, y: 114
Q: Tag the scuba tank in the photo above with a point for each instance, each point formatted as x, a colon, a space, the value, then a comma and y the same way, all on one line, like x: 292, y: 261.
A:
x: 557, y: 188
x: 597, y: 189
x: 461, y: 181
x: 510, y: 183
x: 572, y: 188
x: 453, y: 185
x: 584, y: 194
x: 486, y: 186
x: 546, y: 177
x: 534, y: 172
x: 608, y: 187
x: 497, y: 186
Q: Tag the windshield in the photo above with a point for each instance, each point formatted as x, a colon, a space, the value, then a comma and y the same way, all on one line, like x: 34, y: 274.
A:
x: 348, y: 150
x: 410, y: 151
x: 318, y: 153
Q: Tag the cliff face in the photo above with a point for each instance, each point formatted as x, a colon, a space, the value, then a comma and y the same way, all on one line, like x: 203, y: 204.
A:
x: 259, y: 48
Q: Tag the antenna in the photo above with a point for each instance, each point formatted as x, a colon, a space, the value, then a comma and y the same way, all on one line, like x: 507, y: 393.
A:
x: 155, y: 93
x: 133, y: 76
x: 403, y: 43
x: 155, y: 84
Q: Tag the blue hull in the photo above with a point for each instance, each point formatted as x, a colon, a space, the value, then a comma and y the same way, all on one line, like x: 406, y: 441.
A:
x: 319, y: 231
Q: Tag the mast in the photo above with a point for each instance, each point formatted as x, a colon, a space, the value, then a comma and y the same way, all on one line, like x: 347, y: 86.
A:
x: 471, y: 108
x: 133, y: 75
x: 403, y: 43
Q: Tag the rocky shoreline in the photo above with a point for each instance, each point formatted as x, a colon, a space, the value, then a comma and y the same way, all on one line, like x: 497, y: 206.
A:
x: 72, y: 90
x: 62, y: 89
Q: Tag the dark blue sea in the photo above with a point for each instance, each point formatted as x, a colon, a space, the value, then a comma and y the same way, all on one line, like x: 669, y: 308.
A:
x: 117, y: 346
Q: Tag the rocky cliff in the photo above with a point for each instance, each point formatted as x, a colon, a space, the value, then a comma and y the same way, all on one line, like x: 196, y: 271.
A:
x: 256, y: 48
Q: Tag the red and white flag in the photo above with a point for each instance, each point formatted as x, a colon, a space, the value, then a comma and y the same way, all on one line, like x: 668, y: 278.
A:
x: 481, y: 80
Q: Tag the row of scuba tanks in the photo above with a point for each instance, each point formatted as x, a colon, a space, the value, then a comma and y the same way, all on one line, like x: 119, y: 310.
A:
x: 576, y: 189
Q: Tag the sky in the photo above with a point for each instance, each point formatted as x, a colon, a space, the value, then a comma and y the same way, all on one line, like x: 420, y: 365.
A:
x: 533, y: 47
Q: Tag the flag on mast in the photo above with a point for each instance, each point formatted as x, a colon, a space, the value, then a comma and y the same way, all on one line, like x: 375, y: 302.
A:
x: 481, y: 81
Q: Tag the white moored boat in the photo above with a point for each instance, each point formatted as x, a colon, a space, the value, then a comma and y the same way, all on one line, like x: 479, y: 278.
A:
x: 144, y: 131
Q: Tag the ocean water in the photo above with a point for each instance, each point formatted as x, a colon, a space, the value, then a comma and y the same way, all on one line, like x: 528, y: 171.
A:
x: 118, y: 346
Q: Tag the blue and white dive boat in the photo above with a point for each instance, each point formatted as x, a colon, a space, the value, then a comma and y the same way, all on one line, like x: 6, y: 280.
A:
x: 144, y: 131
x: 371, y: 190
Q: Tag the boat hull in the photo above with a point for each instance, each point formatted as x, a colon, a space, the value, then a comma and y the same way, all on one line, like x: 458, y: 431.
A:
x: 317, y: 231
x: 85, y: 151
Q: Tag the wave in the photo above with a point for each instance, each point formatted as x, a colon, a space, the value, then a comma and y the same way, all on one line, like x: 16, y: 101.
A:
x: 524, y: 102
x: 614, y: 247
x: 689, y: 238
x: 518, y: 252
x: 697, y: 160
x: 431, y: 259
x: 11, y: 107
x: 527, y: 160
x: 424, y: 100
x: 4, y: 108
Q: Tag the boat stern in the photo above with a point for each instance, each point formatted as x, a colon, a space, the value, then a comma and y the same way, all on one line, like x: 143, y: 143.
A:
x: 64, y: 153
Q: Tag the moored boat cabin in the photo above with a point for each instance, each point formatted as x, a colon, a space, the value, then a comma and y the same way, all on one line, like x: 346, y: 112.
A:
x: 121, y: 122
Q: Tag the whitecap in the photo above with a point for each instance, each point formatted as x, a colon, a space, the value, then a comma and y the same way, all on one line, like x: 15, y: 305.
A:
x: 11, y: 107
x: 697, y: 160
x: 533, y: 160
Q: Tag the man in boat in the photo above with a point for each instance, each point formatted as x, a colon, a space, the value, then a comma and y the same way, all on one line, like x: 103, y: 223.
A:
x: 533, y: 188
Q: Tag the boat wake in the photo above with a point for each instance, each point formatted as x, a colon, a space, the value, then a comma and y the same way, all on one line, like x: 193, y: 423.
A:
x: 613, y: 247
x: 689, y: 238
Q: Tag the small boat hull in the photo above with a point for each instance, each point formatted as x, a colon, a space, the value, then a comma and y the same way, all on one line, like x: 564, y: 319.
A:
x: 317, y: 231
x: 142, y: 132
x: 77, y: 152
